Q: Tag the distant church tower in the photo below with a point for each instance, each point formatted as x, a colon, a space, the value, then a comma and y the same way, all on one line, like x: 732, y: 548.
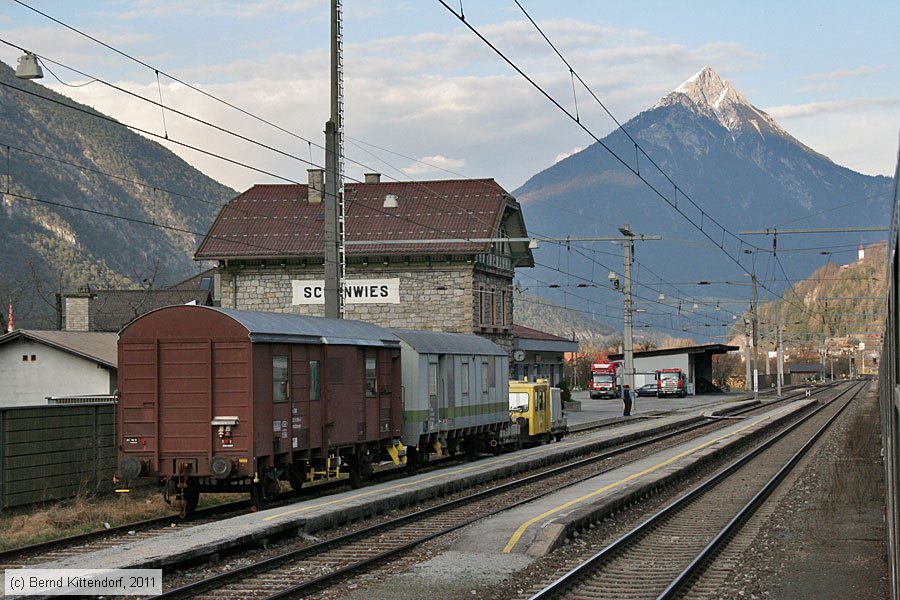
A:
x: 862, y: 252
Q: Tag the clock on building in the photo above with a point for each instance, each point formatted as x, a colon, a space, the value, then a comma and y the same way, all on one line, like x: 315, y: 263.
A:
x: 519, y: 355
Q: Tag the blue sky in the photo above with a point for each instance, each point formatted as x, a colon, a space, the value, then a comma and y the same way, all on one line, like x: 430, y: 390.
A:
x: 420, y: 86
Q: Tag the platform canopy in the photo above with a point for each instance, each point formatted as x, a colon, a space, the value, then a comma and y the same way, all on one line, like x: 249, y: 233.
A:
x: 709, y: 349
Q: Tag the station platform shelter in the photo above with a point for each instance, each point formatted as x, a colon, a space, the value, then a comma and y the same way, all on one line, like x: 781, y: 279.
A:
x: 694, y: 361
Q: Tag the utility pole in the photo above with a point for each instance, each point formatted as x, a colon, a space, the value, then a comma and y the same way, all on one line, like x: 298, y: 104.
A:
x: 766, y: 351
x: 628, y: 352
x: 755, y: 346
x: 628, y: 245
x: 334, y: 185
x: 778, y: 350
x: 574, y: 365
x: 747, y: 353
x: 629, y: 339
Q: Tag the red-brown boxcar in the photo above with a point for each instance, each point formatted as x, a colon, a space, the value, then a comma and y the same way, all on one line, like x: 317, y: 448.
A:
x: 215, y: 399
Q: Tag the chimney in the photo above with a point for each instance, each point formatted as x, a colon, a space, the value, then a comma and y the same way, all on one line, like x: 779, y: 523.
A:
x: 78, y: 311
x: 316, y: 185
x: 373, y: 177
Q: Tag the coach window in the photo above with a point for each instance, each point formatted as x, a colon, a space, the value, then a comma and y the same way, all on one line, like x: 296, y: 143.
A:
x: 315, y: 381
x: 464, y: 383
x: 432, y: 379
x: 371, y: 378
x: 485, y: 377
x: 279, y: 379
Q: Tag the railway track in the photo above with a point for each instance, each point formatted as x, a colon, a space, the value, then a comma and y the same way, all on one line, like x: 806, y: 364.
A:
x: 53, y: 550
x: 661, y: 557
x: 300, y: 571
x: 60, y: 548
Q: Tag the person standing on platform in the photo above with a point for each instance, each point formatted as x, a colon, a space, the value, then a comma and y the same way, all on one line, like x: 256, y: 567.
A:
x: 626, y: 398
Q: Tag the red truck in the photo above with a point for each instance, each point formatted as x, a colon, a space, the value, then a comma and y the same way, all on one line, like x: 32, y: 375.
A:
x: 604, y: 380
x: 671, y: 382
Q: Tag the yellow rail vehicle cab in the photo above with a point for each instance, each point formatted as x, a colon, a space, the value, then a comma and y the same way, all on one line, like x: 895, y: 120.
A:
x: 529, y: 408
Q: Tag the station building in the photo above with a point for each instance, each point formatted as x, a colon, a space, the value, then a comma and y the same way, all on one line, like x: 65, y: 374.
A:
x: 268, y: 245
x: 540, y: 355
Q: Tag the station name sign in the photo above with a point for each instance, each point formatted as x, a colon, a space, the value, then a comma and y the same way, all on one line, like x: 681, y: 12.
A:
x: 356, y: 291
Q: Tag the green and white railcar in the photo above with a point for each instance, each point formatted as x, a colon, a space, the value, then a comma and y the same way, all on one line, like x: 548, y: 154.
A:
x: 455, y: 393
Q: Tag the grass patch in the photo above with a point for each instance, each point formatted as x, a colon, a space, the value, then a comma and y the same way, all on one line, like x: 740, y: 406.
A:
x: 91, y: 513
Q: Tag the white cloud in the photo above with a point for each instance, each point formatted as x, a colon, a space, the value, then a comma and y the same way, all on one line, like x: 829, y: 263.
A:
x: 564, y: 155
x: 437, y: 165
x: 243, y: 10
x: 854, y: 137
x: 865, y: 71
x: 440, y: 94
x: 811, y: 109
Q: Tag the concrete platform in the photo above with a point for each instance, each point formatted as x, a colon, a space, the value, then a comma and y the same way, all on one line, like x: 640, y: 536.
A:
x: 540, y: 526
x: 313, y: 515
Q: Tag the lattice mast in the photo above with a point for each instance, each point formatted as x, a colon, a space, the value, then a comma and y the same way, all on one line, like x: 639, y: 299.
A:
x: 335, y: 259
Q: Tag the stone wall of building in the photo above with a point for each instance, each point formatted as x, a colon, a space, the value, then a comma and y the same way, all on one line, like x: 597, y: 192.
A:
x: 453, y: 297
x: 431, y: 297
x: 492, y: 312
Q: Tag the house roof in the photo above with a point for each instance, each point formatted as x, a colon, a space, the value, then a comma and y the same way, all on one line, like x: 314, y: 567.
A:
x: 113, y: 309
x: 277, y: 221
x: 539, y: 341
x: 97, y: 346
x: 199, y: 282
x: 522, y: 332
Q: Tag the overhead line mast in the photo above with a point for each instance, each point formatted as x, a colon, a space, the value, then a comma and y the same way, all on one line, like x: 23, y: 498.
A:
x: 335, y: 259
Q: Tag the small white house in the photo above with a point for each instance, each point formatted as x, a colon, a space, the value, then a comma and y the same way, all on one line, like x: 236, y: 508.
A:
x: 36, y: 365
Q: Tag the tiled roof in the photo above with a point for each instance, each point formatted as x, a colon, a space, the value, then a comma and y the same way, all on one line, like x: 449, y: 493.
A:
x: 523, y: 332
x: 96, y: 346
x: 113, y: 309
x: 278, y: 221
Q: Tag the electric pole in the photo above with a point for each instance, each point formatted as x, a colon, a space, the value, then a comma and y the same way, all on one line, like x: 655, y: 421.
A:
x: 780, y: 359
x: 747, y: 354
x: 628, y: 353
x: 334, y: 185
x: 755, y: 346
x: 629, y: 338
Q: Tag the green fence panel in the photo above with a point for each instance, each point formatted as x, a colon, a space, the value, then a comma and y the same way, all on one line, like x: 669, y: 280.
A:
x: 56, y: 451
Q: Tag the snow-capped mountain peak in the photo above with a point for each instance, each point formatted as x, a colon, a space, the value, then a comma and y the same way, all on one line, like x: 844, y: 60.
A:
x: 716, y: 98
x: 707, y: 88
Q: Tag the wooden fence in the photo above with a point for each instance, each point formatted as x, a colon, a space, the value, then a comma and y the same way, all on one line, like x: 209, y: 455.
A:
x: 54, y: 452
